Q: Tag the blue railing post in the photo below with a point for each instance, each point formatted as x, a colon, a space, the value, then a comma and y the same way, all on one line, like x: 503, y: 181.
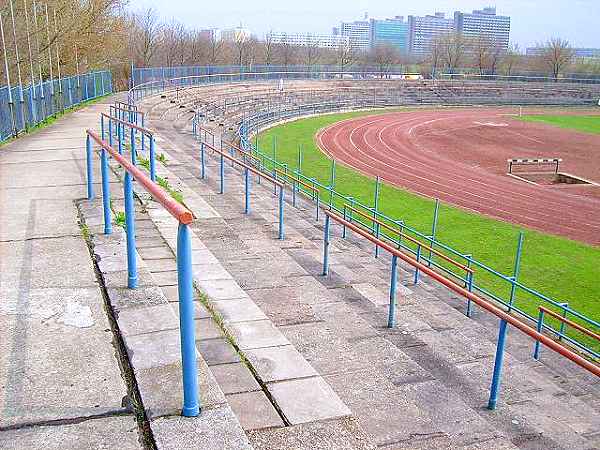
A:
x: 393, y: 284
x: 132, y: 144
x: 152, y: 158
x: 540, y: 329
x: 130, y: 232
x: 143, y: 137
x: 318, y: 206
x: 418, y: 256
x: 331, y: 183
x: 516, y: 269
x: 294, y: 192
x: 110, y: 132
x: 102, y: 127
x: 247, y: 191
x: 202, y: 162
x: 470, y: 276
x: 120, y: 136
x: 375, y: 210
x: 191, y: 404
x: 90, y: 169
x: 105, y: 193
x: 561, y: 330
x: 326, y: 245
x: 344, y: 225
x: 222, y: 175
x: 281, y: 191
x: 433, y: 230
x: 499, y: 361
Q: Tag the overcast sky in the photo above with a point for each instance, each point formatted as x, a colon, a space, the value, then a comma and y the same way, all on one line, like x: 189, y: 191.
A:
x: 532, y: 20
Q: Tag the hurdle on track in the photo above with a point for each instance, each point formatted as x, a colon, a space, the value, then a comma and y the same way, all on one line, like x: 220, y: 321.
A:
x: 533, y: 162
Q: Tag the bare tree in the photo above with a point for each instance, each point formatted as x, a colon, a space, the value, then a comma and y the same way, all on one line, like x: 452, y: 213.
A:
x: 312, y: 51
x: 214, y: 48
x: 486, y: 54
x: 347, y: 54
x: 512, y: 58
x: 435, y: 55
x: 384, y: 56
x: 555, y: 55
x: 146, y: 35
x: 286, y: 51
x: 241, y: 43
x: 453, y: 50
x: 269, y: 48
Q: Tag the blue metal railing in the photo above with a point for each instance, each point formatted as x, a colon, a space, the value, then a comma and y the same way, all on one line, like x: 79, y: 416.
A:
x: 142, y: 75
x: 191, y: 402
x: 270, y: 162
x: 22, y: 108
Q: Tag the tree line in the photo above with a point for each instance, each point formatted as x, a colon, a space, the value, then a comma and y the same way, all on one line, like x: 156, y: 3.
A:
x: 50, y: 38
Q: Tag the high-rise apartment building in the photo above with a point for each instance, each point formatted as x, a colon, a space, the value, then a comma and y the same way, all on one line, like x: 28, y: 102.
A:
x: 390, y: 32
x: 484, y: 23
x: 359, y: 32
x: 309, y: 39
x: 423, y: 30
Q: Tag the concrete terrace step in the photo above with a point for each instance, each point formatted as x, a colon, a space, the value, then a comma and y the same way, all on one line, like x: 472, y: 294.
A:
x: 422, y: 385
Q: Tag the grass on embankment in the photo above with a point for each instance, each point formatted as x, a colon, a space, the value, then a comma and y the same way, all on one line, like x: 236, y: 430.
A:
x: 587, y: 124
x: 565, y: 270
x: 53, y: 118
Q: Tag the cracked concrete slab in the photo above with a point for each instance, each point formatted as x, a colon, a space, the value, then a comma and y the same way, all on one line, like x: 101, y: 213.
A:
x: 104, y: 433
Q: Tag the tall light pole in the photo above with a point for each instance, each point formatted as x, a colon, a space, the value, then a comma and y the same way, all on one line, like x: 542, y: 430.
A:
x: 32, y: 104
x: 37, y: 40
x: 7, y: 74
x: 50, y: 58
x: 60, y: 91
x: 20, y: 86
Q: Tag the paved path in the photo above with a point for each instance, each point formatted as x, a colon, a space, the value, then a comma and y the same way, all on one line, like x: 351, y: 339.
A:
x: 60, y: 382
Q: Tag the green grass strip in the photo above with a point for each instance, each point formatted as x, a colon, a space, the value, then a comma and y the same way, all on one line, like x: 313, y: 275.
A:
x: 562, y: 269
x: 587, y: 124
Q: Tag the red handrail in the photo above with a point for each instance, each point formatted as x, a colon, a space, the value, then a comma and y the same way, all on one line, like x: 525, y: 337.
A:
x: 572, y: 324
x: 560, y: 349
x: 177, y: 210
x: 411, y: 239
x: 243, y: 164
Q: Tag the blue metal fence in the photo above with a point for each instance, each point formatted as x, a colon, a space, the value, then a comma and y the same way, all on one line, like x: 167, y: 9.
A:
x: 141, y: 75
x: 22, y: 108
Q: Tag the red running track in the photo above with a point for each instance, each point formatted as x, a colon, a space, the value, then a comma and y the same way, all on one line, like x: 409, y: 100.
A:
x: 460, y: 157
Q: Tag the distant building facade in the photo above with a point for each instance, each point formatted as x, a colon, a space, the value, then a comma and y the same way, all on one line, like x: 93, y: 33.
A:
x: 310, y: 39
x: 394, y: 32
x: 591, y: 53
x: 209, y: 34
x: 358, y: 32
x: 424, y: 30
x: 235, y: 34
x: 484, y: 23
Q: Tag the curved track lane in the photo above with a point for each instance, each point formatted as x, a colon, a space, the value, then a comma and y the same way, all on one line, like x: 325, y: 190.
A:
x: 460, y: 157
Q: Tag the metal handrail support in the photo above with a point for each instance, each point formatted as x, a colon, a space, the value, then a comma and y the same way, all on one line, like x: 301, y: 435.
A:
x: 191, y: 402
x: 133, y: 127
x: 505, y: 318
x: 247, y: 169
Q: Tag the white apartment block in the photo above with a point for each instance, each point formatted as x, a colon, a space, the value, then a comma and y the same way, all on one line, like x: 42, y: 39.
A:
x: 309, y: 39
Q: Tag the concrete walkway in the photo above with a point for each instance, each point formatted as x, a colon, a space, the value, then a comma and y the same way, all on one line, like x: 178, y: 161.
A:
x: 61, y: 384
